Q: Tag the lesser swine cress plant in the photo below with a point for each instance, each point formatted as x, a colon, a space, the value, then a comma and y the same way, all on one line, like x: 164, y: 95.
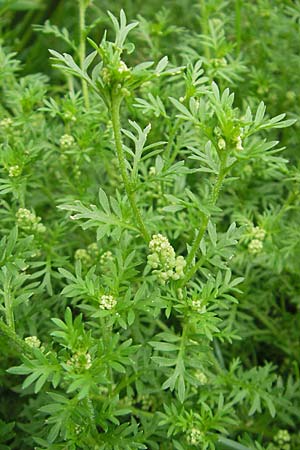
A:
x: 141, y: 366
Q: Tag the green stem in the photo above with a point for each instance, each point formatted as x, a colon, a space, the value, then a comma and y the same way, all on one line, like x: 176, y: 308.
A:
x: 115, y: 117
x: 238, y: 29
x: 205, y: 27
x: 8, y: 300
x: 82, y: 49
x: 214, y: 196
x: 13, y: 338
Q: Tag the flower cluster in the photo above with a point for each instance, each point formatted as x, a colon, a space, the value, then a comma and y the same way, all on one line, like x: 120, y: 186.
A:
x: 222, y: 144
x: 107, y: 302
x: 198, y: 306
x: 258, y: 233
x: 82, y: 255
x: 66, y: 141
x: 256, y: 244
x: 201, y: 377
x: 106, y: 257
x: 80, y: 360
x: 283, y: 439
x: 93, y: 250
x: 163, y: 260
x: 33, y: 341
x: 6, y: 123
x: 14, y: 171
x: 194, y: 436
x: 29, y: 222
x: 87, y: 256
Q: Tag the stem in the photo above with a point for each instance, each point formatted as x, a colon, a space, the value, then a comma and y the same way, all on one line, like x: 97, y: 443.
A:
x: 10, y: 334
x: 9, y: 312
x: 82, y: 49
x: 214, y: 197
x: 205, y: 27
x: 238, y: 30
x: 115, y: 117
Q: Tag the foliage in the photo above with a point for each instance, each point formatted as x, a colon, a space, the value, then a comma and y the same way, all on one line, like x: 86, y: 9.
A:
x: 149, y: 252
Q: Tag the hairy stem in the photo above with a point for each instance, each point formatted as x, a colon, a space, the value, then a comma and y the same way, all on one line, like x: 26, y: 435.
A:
x: 82, y: 49
x: 115, y: 117
x: 15, y: 340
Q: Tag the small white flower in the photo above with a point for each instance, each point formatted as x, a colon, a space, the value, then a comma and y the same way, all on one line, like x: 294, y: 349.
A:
x: 152, y: 171
x: 258, y: 233
x: 222, y: 144
x: 66, y: 141
x: 282, y: 437
x: 198, y: 306
x: 80, y: 360
x: 107, y: 302
x: 201, y: 377
x: 163, y: 261
x: 239, y: 143
x: 122, y: 67
x: 255, y: 246
x: 194, y: 436
x: 82, y: 255
x: 6, y: 123
x: 106, y: 257
x: 33, y: 341
x: 14, y: 171
x: 28, y: 221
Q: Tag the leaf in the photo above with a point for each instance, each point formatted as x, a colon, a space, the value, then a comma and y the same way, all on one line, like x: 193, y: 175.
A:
x: 185, y: 113
x: 161, y: 65
x: 104, y: 201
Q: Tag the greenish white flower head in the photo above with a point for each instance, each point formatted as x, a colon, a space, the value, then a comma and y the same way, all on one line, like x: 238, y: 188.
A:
x: 222, y: 144
x: 81, y: 360
x: 194, y: 436
x: 28, y: 221
x: 163, y: 260
x: 33, y: 341
x: 198, y: 306
x: 6, y: 123
x: 255, y: 246
x: 93, y: 250
x: 282, y: 437
x: 82, y: 255
x: 201, y: 377
x: 14, y: 171
x: 106, y: 257
x: 66, y: 141
x: 258, y: 233
x: 107, y: 302
x: 239, y: 143
x: 152, y: 171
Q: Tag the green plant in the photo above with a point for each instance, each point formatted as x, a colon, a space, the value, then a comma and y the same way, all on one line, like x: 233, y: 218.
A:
x: 149, y: 253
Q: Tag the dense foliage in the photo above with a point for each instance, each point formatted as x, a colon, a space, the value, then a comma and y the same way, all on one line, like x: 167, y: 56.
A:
x: 150, y: 239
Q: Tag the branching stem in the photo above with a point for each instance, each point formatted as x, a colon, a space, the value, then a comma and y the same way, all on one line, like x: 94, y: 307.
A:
x: 190, y: 270
x: 115, y: 117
